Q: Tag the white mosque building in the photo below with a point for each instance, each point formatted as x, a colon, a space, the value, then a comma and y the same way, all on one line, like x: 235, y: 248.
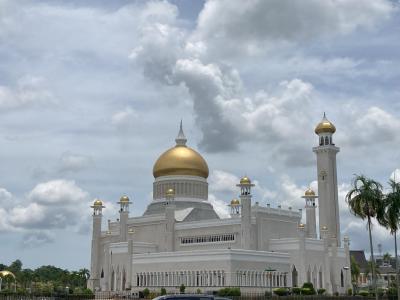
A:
x: 180, y: 239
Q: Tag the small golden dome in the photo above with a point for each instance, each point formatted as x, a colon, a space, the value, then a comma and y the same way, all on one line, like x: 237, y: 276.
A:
x: 245, y: 180
x: 235, y: 202
x: 309, y: 192
x: 301, y: 225
x: 97, y: 202
x: 170, y: 193
x: 5, y: 273
x: 324, y: 228
x: 124, y: 199
x: 325, y: 126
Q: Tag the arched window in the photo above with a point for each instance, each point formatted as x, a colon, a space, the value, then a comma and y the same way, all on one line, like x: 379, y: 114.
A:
x: 341, y: 278
x: 326, y: 140
x: 102, y: 274
x: 112, y: 280
x: 321, y: 141
x: 294, y: 276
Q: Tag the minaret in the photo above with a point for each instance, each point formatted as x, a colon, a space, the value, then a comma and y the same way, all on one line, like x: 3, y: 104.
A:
x: 170, y: 220
x: 94, y: 280
x: 123, y: 216
x: 327, y: 181
x: 245, y: 199
x: 311, y: 223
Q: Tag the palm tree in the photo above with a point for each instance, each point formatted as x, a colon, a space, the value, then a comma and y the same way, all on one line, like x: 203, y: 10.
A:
x: 365, y: 200
x: 391, y: 220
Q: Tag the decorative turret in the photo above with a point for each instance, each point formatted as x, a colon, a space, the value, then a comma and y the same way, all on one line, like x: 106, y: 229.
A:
x: 169, y: 196
x: 123, y: 216
x: 235, y: 208
x: 97, y: 207
x: 245, y: 199
x: 124, y: 204
x: 311, y: 223
x: 325, y: 129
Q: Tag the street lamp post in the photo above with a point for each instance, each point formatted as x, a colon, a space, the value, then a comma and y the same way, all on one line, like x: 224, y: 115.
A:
x: 270, y: 270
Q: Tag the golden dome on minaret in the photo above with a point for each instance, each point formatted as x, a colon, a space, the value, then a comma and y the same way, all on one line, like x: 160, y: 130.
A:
x: 325, y: 126
x: 180, y: 160
x: 309, y: 192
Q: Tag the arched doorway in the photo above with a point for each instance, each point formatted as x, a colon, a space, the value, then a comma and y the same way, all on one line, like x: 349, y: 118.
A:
x: 294, y: 276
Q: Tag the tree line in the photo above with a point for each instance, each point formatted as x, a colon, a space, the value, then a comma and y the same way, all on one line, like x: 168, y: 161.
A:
x: 367, y: 200
x: 44, y: 280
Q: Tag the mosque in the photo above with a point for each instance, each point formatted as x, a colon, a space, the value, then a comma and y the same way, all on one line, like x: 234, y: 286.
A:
x: 180, y: 239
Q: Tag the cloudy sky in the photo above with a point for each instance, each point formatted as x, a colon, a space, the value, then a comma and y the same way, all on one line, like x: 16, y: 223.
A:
x: 92, y: 92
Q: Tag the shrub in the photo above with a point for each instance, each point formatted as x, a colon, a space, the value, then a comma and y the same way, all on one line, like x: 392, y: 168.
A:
x: 349, y: 292
x: 308, y: 289
x: 281, y: 291
x: 198, y: 291
x: 296, y: 290
x: 229, y: 292
x: 363, y: 293
x: 392, y: 291
x: 321, y: 291
x: 182, y: 288
x: 163, y: 291
x: 146, y: 292
x: 267, y: 294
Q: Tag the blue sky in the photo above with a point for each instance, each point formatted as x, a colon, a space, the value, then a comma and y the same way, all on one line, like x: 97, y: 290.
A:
x: 92, y: 92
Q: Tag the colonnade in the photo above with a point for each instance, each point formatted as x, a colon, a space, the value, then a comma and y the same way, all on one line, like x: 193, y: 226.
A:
x: 188, y: 278
x: 260, y: 279
x: 181, y: 188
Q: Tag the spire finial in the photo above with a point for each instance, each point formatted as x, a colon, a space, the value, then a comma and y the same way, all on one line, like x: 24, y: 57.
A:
x: 181, y: 139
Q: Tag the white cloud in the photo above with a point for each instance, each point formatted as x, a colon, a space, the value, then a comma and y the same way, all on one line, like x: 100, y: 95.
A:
x: 124, y: 119
x: 58, y: 192
x: 220, y: 207
x: 71, y: 162
x: 253, y: 27
x: 29, y: 91
x: 221, y: 181
x: 37, y: 238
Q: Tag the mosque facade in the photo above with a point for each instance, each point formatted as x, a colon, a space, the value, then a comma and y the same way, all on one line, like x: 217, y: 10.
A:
x: 180, y: 239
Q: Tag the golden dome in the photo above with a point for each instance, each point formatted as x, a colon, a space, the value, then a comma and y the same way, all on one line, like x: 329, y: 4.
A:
x: 325, y: 126
x: 124, y: 199
x: 235, y: 202
x: 309, y: 192
x: 170, y: 193
x: 5, y: 273
x: 97, y: 202
x: 180, y: 160
x: 245, y: 180
x: 301, y: 225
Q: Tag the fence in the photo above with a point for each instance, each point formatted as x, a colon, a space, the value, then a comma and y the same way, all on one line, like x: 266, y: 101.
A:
x: 126, y: 296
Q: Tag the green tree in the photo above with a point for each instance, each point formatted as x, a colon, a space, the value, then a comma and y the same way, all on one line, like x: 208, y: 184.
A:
x: 365, y: 200
x: 391, y: 220
x: 182, y: 288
